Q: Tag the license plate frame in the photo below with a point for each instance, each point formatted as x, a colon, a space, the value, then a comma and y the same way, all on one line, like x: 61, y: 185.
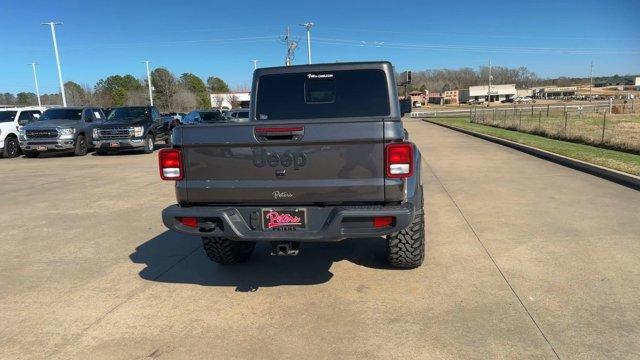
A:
x: 114, y: 144
x: 283, y: 219
x: 41, y: 148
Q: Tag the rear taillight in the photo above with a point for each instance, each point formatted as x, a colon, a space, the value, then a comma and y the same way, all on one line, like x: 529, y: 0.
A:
x: 383, y: 221
x: 399, y: 160
x: 170, y: 161
x: 189, y: 221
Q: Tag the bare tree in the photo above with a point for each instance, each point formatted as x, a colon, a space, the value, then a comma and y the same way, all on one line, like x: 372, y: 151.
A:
x: 184, y: 100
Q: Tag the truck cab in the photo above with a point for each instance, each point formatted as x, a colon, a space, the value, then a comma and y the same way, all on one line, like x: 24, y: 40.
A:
x: 322, y: 157
x: 11, y: 119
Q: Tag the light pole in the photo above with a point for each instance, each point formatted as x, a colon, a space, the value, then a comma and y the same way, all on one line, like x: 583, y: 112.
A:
x: 55, y: 50
x: 489, y: 90
x: 590, y: 81
x: 35, y: 78
x: 308, y: 26
x: 255, y: 64
x: 146, y: 62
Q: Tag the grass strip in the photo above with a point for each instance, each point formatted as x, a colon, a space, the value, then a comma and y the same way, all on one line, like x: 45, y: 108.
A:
x: 618, y: 160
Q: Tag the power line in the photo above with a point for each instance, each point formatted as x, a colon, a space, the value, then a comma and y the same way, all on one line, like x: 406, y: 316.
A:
x: 343, y: 29
x: 477, y: 48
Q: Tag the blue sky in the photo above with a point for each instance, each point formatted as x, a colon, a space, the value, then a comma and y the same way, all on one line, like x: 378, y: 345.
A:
x: 100, y: 38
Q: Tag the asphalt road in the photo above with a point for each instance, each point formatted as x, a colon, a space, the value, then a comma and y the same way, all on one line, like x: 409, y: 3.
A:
x: 526, y: 259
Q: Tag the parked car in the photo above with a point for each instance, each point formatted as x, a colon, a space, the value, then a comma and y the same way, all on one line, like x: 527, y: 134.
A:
x: 238, y: 115
x: 11, y: 119
x: 130, y: 128
x: 317, y: 167
x: 172, y: 120
x: 61, y: 129
x: 524, y: 99
x: 476, y: 101
x: 204, y: 116
x: 507, y: 101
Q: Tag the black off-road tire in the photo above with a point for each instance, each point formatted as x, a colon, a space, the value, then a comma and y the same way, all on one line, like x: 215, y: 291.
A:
x: 227, y: 252
x: 11, y: 147
x: 149, y: 144
x: 81, y: 146
x: 407, y: 247
x: 31, y: 154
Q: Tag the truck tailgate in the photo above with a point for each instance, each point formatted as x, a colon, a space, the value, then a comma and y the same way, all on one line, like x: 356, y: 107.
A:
x: 270, y: 162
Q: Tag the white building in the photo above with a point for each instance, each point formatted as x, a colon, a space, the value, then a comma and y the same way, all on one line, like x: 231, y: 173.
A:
x: 637, y: 81
x: 556, y: 92
x: 498, y: 92
x: 230, y: 100
x: 524, y: 92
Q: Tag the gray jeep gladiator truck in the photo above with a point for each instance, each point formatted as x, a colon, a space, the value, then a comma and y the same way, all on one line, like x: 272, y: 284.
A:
x: 61, y: 129
x: 323, y: 157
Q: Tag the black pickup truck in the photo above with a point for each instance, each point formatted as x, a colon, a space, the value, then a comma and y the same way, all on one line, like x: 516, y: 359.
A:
x: 323, y: 157
x: 130, y: 128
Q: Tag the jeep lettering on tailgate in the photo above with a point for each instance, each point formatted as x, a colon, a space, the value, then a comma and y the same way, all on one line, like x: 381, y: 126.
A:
x: 262, y: 157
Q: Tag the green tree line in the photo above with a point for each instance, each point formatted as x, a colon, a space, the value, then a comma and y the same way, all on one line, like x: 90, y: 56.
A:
x: 170, y: 92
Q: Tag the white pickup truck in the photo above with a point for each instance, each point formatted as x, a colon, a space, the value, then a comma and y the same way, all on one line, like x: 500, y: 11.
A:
x: 10, y: 121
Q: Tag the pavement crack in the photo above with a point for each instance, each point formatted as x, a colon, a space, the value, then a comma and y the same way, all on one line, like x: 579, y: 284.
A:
x: 115, y: 307
x: 535, y: 323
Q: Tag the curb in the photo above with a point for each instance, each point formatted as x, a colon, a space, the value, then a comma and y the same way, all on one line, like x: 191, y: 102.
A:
x: 619, y: 177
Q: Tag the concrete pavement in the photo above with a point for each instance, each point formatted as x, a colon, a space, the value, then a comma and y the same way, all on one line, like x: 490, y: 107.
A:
x: 526, y: 259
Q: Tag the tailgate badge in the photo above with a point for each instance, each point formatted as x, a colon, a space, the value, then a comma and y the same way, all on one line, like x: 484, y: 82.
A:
x: 281, y: 172
x: 281, y: 195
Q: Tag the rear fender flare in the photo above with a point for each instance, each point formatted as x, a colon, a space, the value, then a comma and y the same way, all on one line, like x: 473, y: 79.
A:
x: 414, y: 183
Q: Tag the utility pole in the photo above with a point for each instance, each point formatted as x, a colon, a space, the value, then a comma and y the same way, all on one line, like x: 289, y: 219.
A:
x: 292, y: 45
x: 55, y: 50
x: 35, y: 78
x: 146, y: 62
x: 308, y: 26
x: 255, y: 64
x: 590, y: 81
x: 489, y: 90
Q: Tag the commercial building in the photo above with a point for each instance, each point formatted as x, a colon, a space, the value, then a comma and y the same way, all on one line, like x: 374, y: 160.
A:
x: 230, y: 100
x: 435, y: 98
x: 637, y: 82
x: 559, y: 92
x: 452, y: 97
x: 418, y: 97
x: 498, y: 92
x: 524, y: 92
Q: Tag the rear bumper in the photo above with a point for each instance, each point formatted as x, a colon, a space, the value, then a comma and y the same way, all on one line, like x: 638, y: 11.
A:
x: 120, y: 144
x: 331, y: 223
x: 47, y: 145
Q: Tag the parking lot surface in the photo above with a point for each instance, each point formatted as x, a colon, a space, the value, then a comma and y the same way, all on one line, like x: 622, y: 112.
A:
x: 526, y: 259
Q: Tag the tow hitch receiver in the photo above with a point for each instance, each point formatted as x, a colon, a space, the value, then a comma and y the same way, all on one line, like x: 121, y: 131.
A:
x: 285, y: 248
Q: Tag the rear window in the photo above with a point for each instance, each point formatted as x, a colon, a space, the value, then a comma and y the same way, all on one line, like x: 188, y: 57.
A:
x: 331, y: 94
x: 7, y: 116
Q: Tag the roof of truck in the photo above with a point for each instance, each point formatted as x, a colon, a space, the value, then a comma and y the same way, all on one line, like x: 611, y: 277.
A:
x: 324, y: 66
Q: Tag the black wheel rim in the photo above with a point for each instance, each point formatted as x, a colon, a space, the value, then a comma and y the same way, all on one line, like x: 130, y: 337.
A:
x: 12, y: 148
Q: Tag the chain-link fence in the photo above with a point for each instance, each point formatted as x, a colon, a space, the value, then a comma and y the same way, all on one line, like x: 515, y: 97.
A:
x: 597, y: 125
